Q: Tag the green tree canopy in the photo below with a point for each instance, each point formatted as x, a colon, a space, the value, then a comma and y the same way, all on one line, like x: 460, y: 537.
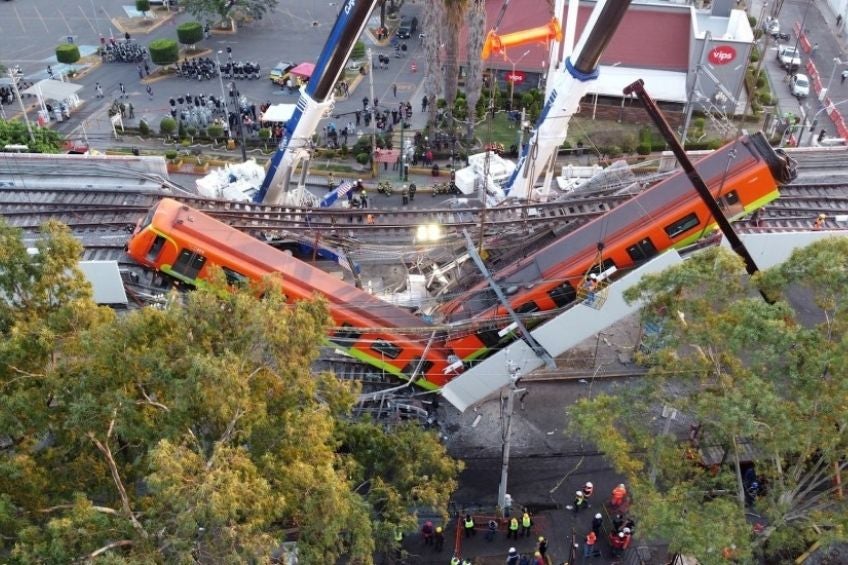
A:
x: 189, y: 33
x: 221, y: 10
x: 67, y: 53
x: 740, y: 372
x: 14, y: 132
x: 142, y: 6
x: 191, y: 432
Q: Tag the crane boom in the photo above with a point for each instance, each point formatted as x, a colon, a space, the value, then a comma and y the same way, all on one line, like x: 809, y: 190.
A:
x: 565, y: 88
x: 316, y: 100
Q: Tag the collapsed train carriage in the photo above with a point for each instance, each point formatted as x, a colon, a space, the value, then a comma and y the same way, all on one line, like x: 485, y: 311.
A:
x: 184, y: 243
x: 743, y: 176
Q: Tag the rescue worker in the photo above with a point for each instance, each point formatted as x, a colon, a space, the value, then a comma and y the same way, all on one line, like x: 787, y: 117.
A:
x: 597, y: 523
x: 468, y: 524
x: 588, y: 489
x: 370, y: 219
x: 364, y: 197
x: 538, y: 559
x: 455, y: 561
x: 628, y: 536
x: 543, y: 546
x: 619, y: 493
x: 513, y: 528
x: 331, y: 181
x: 630, y: 524
x: 579, y: 501
x: 427, y: 532
x: 526, y: 523
x: 617, y: 522
x: 404, y: 192
x: 412, y: 189
x: 492, y: 530
x: 467, y: 562
x: 617, y: 542
x: 819, y: 223
x: 589, y: 547
x: 512, y: 557
x: 439, y: 538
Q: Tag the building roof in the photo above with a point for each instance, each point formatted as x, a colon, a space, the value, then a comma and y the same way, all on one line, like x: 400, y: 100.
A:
x: 653, y: 36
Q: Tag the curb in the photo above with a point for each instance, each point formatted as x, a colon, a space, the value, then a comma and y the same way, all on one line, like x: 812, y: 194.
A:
x: 143, y: 30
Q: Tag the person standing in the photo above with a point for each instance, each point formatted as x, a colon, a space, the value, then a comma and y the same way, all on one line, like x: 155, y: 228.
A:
x: 427, y: 531
x: 589, y: 546
x: 424, y: 102
x: 507, y: 508
x: 843, y: 76
x: 513, y: 528
x: 588, y: 489
x: 597, y: 523
x: 146, y: 68
x: 579, y: 501
x: 99, y: 89
x: 543, y: 547
x: 394, y: 90
x: 149, y: 92
x: 526, y: 524
x: 512, y: 557
x: 439, y: 538
x: 468, y: 525
x: 122, y: 89
x: 140, y: 71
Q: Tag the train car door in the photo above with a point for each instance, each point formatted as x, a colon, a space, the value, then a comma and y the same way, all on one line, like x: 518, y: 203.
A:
x: 188, y: 264
x: 642, y: 251
x: 731, y: 205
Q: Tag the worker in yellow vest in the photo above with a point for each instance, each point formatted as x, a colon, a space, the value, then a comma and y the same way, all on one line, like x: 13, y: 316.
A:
x: 455, y: 560
x: 513, y: 528
x: 526, y: 523
x: 468, y: 524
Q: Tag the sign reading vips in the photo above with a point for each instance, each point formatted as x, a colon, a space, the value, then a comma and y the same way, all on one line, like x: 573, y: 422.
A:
x: 516, y: 77
x: 722, y: 55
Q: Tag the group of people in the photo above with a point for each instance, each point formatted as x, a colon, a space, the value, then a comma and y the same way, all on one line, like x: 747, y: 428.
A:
x: 621, y: 531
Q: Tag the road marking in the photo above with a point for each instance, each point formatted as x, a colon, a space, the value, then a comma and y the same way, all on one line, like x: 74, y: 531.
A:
x: 47, y: 29
x: 20, y: 21
x: 88, y: 20
x: 70, y: 29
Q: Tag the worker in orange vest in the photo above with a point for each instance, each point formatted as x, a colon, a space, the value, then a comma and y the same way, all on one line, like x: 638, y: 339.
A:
x: 819, y: 223
x: 617, y: 543
x: 619, y: 493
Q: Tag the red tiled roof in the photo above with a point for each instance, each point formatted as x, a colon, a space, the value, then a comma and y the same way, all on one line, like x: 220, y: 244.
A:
x: 654, y: 37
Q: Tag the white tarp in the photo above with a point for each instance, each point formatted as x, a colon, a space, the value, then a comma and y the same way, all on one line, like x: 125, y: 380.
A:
x: 278, y: 113
x: 666, y: 86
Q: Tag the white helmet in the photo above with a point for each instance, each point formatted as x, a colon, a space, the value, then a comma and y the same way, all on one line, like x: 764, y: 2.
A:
x: 512, y: 550
x: 626, y: 530
x: 598, y: 516
x: 589, y: 484
x: 579, y: 493
x: 621, y: 534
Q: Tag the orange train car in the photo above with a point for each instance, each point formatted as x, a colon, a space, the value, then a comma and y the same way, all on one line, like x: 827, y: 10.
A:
x: 743, y: 176
x: 184, y: 243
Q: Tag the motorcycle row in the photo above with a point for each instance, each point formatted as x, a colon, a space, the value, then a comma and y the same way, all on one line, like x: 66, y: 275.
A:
x: 204, y: 68
x: 124, y: 51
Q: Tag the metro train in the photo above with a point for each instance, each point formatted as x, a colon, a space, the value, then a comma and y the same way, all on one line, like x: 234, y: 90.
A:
x: 742, y: 176
x: 184, y: 243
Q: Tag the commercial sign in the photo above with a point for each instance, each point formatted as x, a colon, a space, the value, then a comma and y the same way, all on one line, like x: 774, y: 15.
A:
x: 721, y: 55
x: 515, y: 77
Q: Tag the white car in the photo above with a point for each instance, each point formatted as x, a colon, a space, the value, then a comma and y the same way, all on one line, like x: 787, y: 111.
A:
x: 799, y: 85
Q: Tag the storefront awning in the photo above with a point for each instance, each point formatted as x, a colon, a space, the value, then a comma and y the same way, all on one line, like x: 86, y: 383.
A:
x: 664, y: 86
x: 50, y: 89
x: 304, y: 70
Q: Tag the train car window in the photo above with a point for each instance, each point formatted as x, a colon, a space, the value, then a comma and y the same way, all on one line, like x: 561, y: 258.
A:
x: 642, y: 251
x: 729, y: 199
x: 606, y: 264
x: 157, y: 246
x: 234, y: 277
x: 563, y: 295
x: 527, y: 307
x: 346, y: 336
x: 425, y: 367
x: 189, y: 264
x: 390, y: 350
x: 490, y: 338
x: 682, y: 225
x: 148, y: 219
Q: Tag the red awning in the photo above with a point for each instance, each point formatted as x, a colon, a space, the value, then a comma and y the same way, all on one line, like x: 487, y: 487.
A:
x: 303, y: 70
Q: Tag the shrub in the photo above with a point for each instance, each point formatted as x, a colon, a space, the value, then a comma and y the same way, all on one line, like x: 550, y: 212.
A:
x: 330, y: 154
x: 363, y: 158
x: 643, y: 148
x: 761, y: 80
x: 765, y: 98
x: 164, y: 51
x: 363, y: 145
x: 167, y: 126
x: 190, y: 33
x: 181, y: 131
x: 171, y: 154
x: 67, y: 53
x: 143, y: 128
x: 142, y: 6
x: 358, y: 51
x: 215, y: 131
x: 191, y: 131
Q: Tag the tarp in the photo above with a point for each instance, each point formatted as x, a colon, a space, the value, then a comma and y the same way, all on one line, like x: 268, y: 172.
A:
x: 335, y: 194
x: 303, y: 70
x: 53, y: 89
x: 386, y: 155
x: 278, y: 113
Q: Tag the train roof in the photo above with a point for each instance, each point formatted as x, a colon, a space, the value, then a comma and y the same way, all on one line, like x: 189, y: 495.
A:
x: 196, y: 225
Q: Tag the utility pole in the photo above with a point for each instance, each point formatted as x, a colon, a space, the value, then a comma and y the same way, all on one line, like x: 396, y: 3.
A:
x: 14, y: 78
x: 374, y: 167
x: 234, y: 94
x: 512, y: 390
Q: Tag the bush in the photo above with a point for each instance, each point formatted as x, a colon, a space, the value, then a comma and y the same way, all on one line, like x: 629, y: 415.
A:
x: 167, y: 126
x: 164, y: 51
x: 755, y: 54
x: 143, y: 128
x: 765, y: 98
x: 142, y: 6
x: 363, y: 145
x: 761, y: 81
x: 190, y: 33
x: 171, y: 154
x: 191, y: 131
x: 363, y: 158
x: 643, y: 148
x: 215, y: 131
x: 330, y: 154
x: 67, y: 53
x: 358, y: 51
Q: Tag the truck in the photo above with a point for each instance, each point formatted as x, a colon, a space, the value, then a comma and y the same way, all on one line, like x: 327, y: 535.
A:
x: 789, y: 57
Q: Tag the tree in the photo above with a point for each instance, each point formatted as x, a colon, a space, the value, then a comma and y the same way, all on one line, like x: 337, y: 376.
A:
x: 454, y: 14
x: 189, y: 433
x: 190, y: 33
x: 14, y: 132
x: 476, y: 23
x: 215, y: 132
x: 739, y: 370
x: 164, y: 51
x: 142, y: 6
x: 223, y: 10
x: 167, y: 126
x: 67, y: 53
x: 264, y: 135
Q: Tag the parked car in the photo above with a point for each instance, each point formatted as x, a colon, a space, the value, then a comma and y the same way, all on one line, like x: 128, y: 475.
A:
x: 789, y: 57
x: 771, y: 26
x: 799, y: 85
x: 279, y: 73
x: 407, y: 28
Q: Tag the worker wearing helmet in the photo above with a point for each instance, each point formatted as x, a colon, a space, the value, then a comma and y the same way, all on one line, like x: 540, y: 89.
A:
x: 512, y: 557
x: 597, y: 523
x: 404, y: 192
x: 580, y: 501
x: 588, y: 489
x: 619, y: 493
x: 526, y: 523
x: 439, y: 538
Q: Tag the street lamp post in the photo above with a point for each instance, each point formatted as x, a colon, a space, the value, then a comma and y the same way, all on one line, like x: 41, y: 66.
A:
x: 401, y: 155
x: 223, y: 95
x: 234, y: 94
x: 374, y: 167
x: 512, y: 77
